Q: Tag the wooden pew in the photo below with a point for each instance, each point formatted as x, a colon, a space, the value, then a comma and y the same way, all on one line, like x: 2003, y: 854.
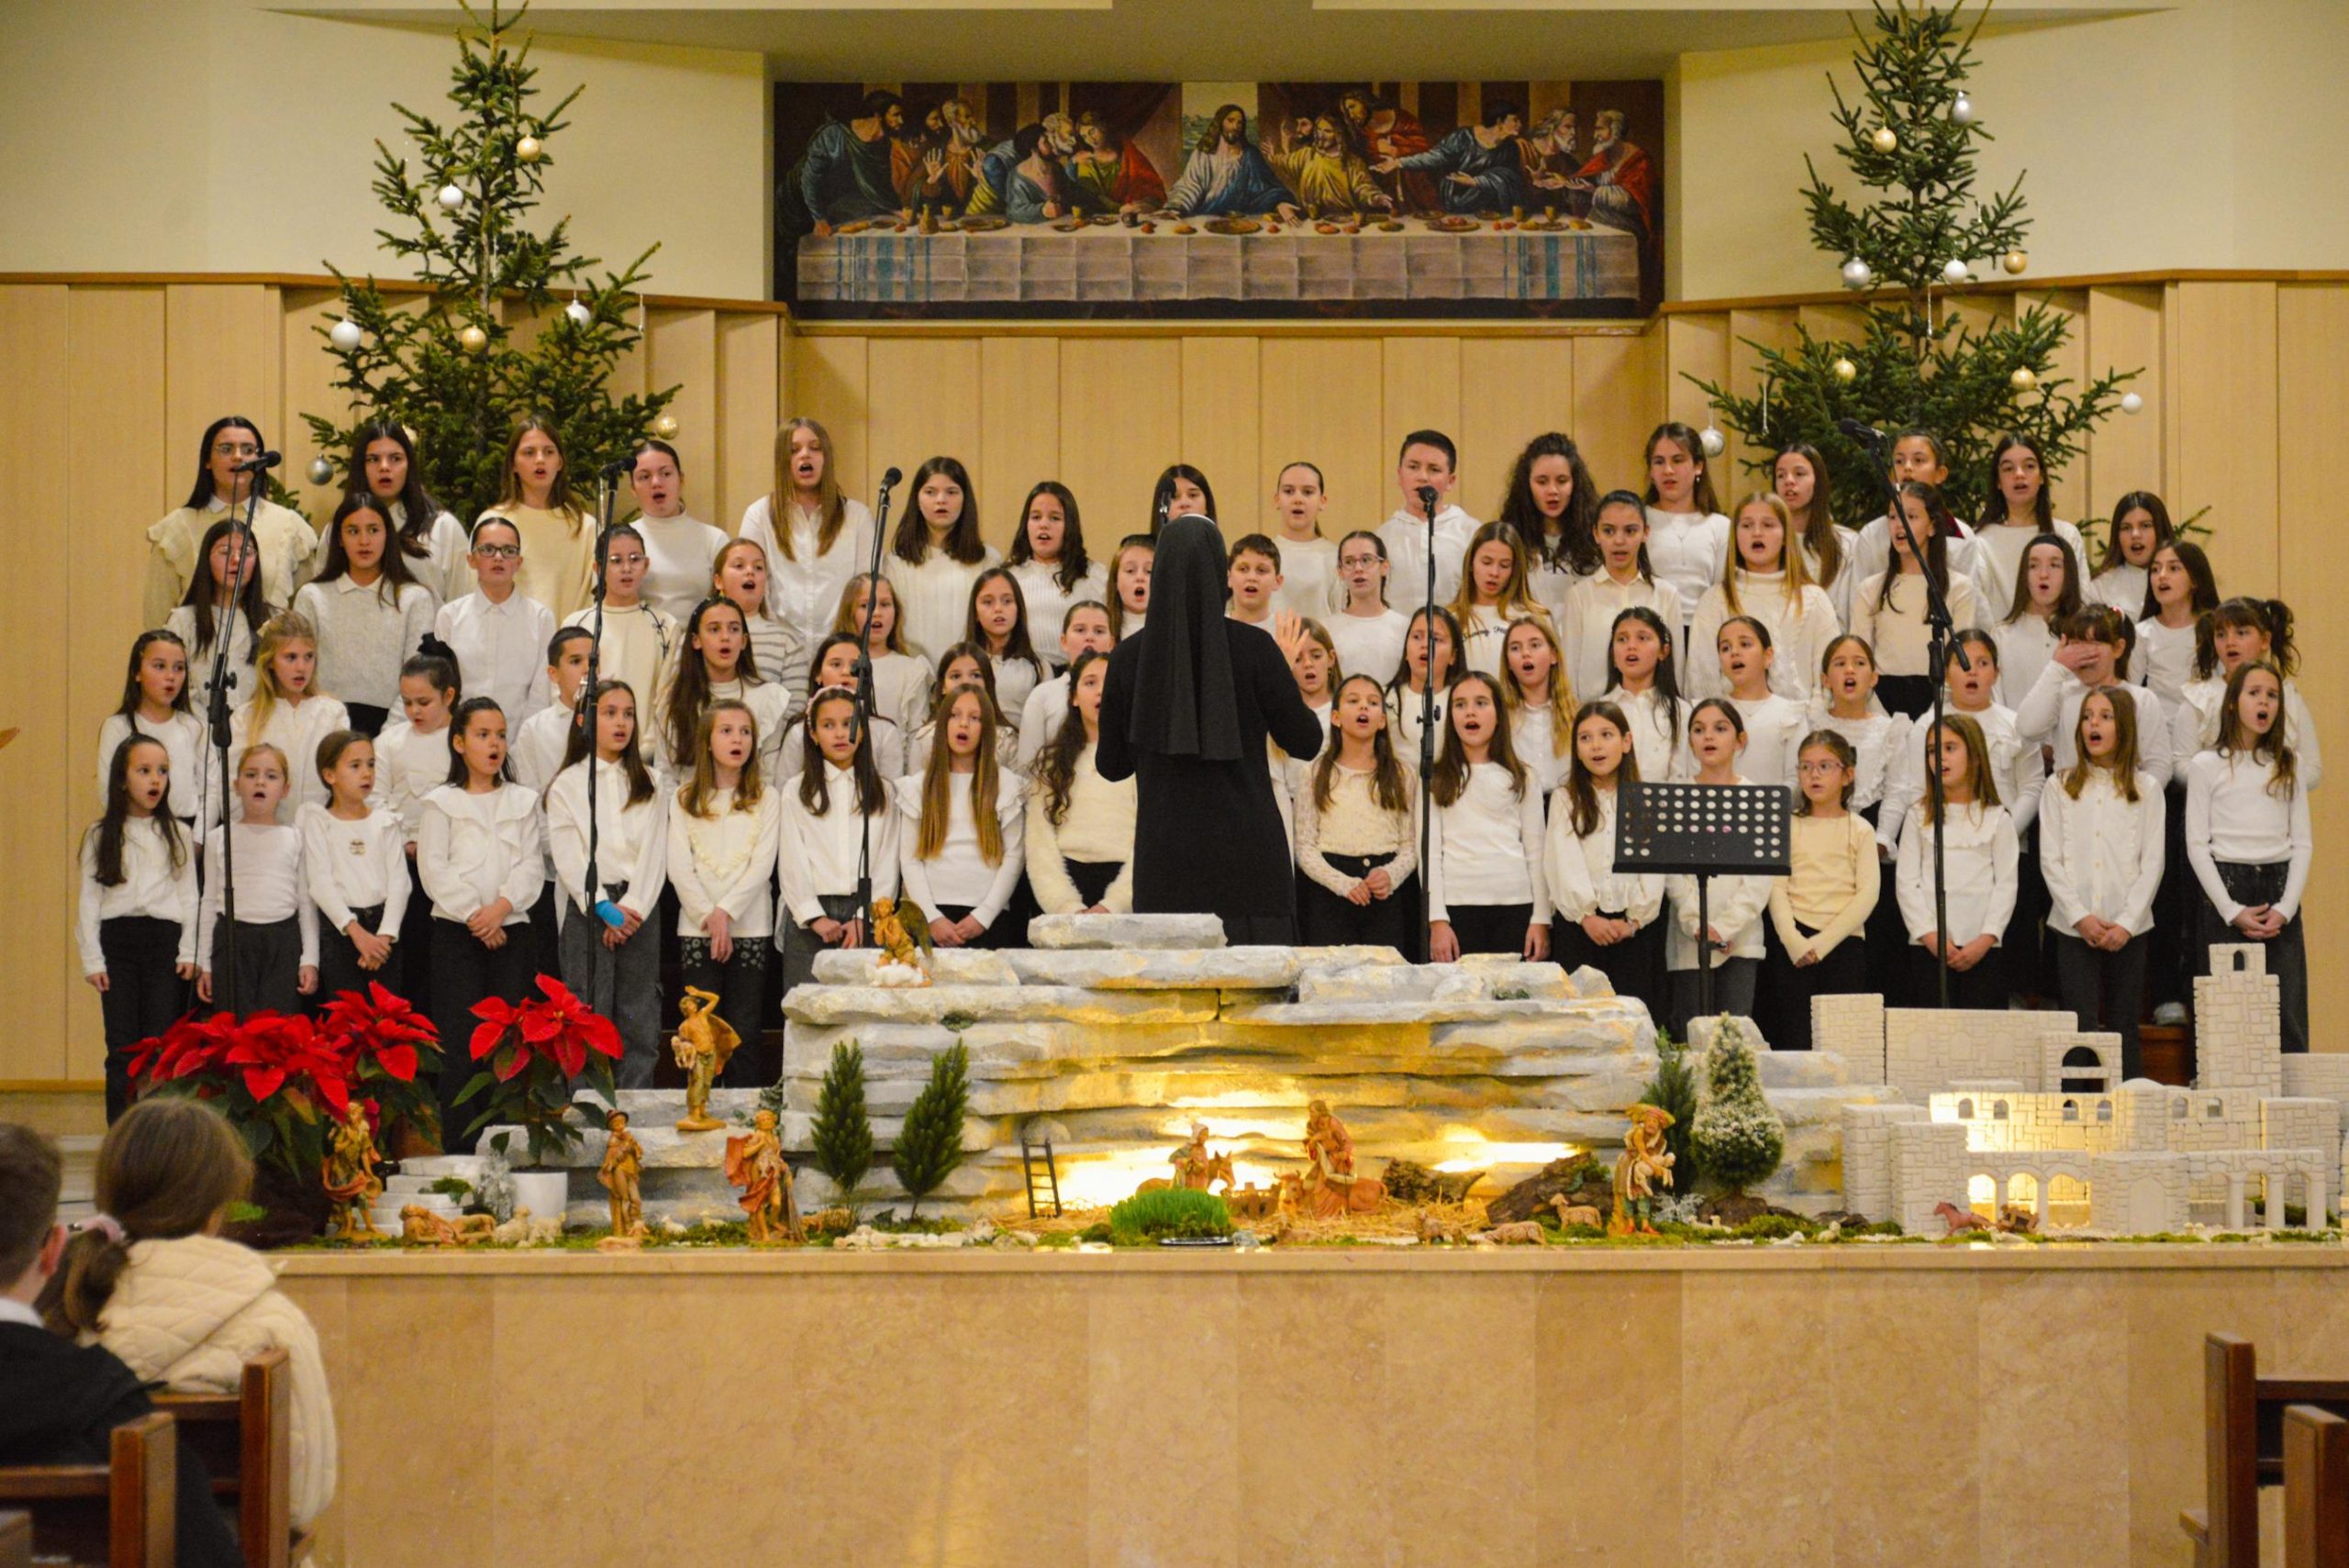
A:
x: 120, y: 1513
x: 2242, y: 1422
x: 245, y: 1440
x: 2316, y: 1488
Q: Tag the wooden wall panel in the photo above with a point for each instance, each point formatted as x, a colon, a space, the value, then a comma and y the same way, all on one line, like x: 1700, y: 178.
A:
x: 2223, y: 352
x: 2312, y: 374
x: 2070, y: 494
x: 749, y: 356
x: 1322, y: 401
x: 2123, y: 328
x: 1125, y: 415
x: 36, y: 830
x: 224, y: 347
x: 1620, y: 397
x: 1747, y: 329
x: 1020, y: 413
x: 1511, y: 390
x: 307, y: 376
x: 1420, y: 379
x: 1694, y: 345
x: 829, y: 382
x: 1222, y: 434
x: 683, y: 354
x: 925, y: 403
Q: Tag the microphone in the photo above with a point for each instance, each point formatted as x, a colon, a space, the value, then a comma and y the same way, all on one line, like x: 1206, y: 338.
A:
x: 1427, y: 499
x: 255, y: 464
x: 890, y: 480
x: 615, y: 468
x: 1866, y: 435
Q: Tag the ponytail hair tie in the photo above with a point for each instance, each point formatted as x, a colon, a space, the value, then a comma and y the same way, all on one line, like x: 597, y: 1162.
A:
x: 105, y: 1225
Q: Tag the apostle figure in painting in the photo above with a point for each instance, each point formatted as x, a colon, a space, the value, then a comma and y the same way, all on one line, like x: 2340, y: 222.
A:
x: 1227, y: 177
x: 1480, y: 167
x: 934, y: 168
x: 1549, y: 152
x: 1110, y: 172
x: 1324, y: 173
x: 846, y: 172
x: 1026, y: 179
x: 1380, y: 129
x: 1622, y: 177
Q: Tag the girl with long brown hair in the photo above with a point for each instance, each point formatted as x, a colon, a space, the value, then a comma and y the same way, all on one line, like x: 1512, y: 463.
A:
x: 959, y: 847
x: 814, y: 534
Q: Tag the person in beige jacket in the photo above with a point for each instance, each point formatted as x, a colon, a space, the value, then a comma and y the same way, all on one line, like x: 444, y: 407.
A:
x: 152, y: 1280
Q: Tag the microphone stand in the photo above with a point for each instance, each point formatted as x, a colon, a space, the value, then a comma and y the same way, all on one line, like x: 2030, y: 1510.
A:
x: 865, y: 695
x: 240, y: 557
x: 1427, y: 734
x: 1939, y: 646
x: 582, y: 714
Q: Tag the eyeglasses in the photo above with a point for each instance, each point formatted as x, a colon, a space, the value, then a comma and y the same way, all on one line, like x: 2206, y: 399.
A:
x: 499, y: 551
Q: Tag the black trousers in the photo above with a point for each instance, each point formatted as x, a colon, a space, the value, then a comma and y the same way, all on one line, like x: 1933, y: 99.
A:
x: 1982, y: 986
x: 366, y: 718
x: 1093, y: 878
x: 465, y: 972
x: 2103, y: 989
x: 1491, y: 928
x: 2288, y: 957
x: 2031, y: 965
x: 987, y: 940
x: 267, y: 968
x: 741, y: 986
x: 1634, y: 966
x: 339, y: 968
x: 2169, y: 966
x: 1324, y: 920
x: 1841, y: 973
x: 144, y: 994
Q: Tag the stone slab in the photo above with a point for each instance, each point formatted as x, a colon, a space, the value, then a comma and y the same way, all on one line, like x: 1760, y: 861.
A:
x: 947, y: 966
x: 1031, y: 1004
x: 1177, y: 969
x: 1064, y: 932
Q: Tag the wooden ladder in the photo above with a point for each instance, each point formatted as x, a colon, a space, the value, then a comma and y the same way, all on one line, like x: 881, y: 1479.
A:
x: 1031, y: 1164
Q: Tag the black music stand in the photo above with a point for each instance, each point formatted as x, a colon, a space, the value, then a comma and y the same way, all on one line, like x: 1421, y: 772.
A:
x: 1704, y: 831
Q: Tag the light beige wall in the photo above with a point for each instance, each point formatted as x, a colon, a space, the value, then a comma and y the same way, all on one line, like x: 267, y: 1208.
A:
x: 134, y: 140
x: 2202, y: 135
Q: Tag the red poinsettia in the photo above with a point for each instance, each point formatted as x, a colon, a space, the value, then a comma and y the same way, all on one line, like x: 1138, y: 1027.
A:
x: 268, y: 1072
x: 537, y: 1052
x: 390, y: 1050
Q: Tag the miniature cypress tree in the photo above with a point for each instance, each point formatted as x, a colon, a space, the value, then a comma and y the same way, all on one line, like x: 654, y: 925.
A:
x: 1910, y: 140
x: 843, y: 1133
x: 930, y: 1144
x: 1673, y: 1087
x: 1738, y: 1138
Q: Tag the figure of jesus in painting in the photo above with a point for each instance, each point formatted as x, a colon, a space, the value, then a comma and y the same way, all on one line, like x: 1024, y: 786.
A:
x: 1226, y: 175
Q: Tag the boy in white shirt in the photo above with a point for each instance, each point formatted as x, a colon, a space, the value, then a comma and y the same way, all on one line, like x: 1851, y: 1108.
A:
x: 1253, y: 576
x: 540, y: 739
x: 1428, y: 460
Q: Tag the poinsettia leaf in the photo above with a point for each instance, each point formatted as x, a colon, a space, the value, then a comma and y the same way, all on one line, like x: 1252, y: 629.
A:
x: 398, y: 1061
x: 510, y: 1061
x: 263, y: 1082
x: 474, y: 1085
x: 487, y: 1034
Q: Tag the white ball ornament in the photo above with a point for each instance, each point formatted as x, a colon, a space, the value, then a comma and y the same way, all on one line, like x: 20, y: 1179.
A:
x: 2014, y: 262
x: 343, y: 335
x: 321, y: 470
x: 1883, y: 141
x: 530, y: 149
x: 1710, y: 440
x: 2132, y: 404
x: 473, y: 340
x: 579, y: 314
x: 1962, y: 111
x: 2022, y: 380
x: 1955, y: 272
x: 1857, y: 274
x: 1846, y: 370
x: 451, y: 197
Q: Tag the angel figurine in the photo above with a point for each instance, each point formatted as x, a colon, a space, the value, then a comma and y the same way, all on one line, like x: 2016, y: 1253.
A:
x: 754, y: 1163
x: 351, y: 1183
x: 705, y: 1043
x: 901, y: 931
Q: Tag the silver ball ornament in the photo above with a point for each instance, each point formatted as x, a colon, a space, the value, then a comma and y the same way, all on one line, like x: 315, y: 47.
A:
x: 451, y: 197
x: 1962, y: 111
x: 664, y: 427
x: 473, y: 340
x: 1955, y: 272
x: 1857, y: 274
x: 2132, y: 404
x: 321, y: 470
x: 530, y: 149
x: 343, y: 335
x: 1846, y: 370
x: 1883, y: 141
x: 579, y: 313
x: 1710, y: 440
x: 2022, y: 380
x: 2014, y: 262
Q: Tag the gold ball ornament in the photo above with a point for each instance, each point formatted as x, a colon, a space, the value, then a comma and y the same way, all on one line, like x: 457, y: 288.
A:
x: 530, y: 149
x: 1846, y: 370
x: 473, y: 340
x: 1883, y: 141
x: 2022, y: 380
x: 2014, y: 262
x: 664, y: 427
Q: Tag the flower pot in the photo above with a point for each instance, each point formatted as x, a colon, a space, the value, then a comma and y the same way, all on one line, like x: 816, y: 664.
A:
x: 293, y: 1210
x: 544, y: 1193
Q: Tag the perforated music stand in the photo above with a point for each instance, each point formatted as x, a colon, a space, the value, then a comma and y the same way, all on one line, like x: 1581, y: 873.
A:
x: 1704, y: 831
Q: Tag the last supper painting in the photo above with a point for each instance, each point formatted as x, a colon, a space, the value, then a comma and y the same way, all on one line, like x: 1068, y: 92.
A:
x: 1096, y: 199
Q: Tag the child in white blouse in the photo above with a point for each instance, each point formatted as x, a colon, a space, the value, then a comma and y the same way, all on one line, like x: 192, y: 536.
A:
x: 354, y: 862
x: 2047, y: 594
x: 136, y: 923
x: 1407, y: 693
x: 724, y: 829
x: 811, y: 536
x: 276, y: 935
x: 1625, y: 579
x: 1085, y: 630
x: 777, y: 651
x: 2238, y: 632
x: 1819, y: 911
x: 936, y: 556
x: 959, y: 849
x: 1368, y: 634
x: 2179, y: 590
x: 1765, y: 580
x: 480, y: 851
x: 1688, y: 535
x: 1774, y: 722
x: 1830, y: 551
x: 1978, y: 872
x: 209, y: 615
x: 1488, y: 889
x: 1890, y: 609
x: 544, y: 737
x: 1551, y: 501
x: 611, y: 923
x: 154, y: 703
x: 1356, y: 835
x: 1880, y: 742
x: 2249, y: 841
x: 1540, y: 702
x: 1493, y: 596
x: 411, y: 762
x: 369, y: 612
x: 637, y: 637
x: 2019, y: 511
x: 996, y: 620
x: 832, y: 810
x: 1054, y: 570
x: 2140, y: 529
x: 1600, y: 916
x: 498, y: 634
x: 1733, y: 905
x: 1309, y: 561
x: 2100, y: 850
x: 1080, y: 845
x: 288, y: 710
x: 1130, y: 584
x: 715, y: 664
x: 900, y: 680
x: 1642, y: 679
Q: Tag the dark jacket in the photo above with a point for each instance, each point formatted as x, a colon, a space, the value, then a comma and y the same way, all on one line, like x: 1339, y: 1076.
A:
x: 59, y: 1403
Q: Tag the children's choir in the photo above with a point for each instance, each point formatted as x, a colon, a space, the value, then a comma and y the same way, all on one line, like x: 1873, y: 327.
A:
x: 2123, y: 764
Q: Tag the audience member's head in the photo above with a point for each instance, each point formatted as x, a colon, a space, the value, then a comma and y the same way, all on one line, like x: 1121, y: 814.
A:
x: 31, y: 1244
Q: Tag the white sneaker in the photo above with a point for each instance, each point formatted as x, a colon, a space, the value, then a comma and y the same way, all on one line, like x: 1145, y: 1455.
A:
x: 2170, y: 1014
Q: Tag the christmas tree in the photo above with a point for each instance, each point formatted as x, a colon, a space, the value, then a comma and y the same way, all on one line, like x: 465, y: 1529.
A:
x: 842, y: 1134
x: 457, y: 373
x: 1738, y: 1138
x: 1911, y: 139
x: 931, y: 1144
